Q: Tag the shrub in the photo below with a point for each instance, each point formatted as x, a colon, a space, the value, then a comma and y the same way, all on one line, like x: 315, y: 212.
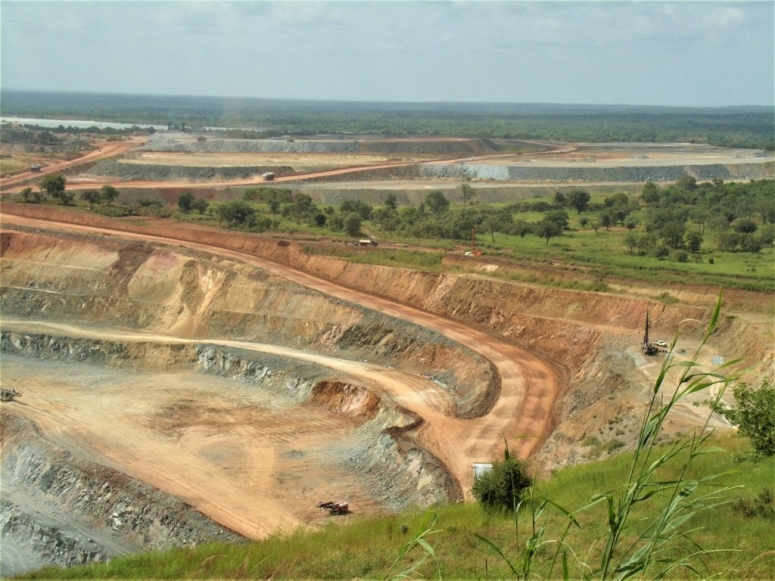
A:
x: 186, y: 202
x: 754, y: 414
x: 761, y: 506
x: 501, y: 488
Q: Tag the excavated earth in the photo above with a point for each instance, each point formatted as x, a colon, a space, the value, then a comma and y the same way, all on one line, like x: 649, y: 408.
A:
x: 187, y: 395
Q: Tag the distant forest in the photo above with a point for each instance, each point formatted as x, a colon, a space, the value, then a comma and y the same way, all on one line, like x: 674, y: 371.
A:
x: 752, y: 127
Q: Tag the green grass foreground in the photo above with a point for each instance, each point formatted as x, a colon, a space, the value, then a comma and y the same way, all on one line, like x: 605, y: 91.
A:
x: 367, y: 547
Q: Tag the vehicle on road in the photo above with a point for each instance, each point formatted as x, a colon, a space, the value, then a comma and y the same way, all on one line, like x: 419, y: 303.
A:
x: 334, y: 507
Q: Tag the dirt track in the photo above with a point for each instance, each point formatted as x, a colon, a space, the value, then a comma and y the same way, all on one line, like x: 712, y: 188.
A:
x: 529, y: 385
x: 7, y: 185
x: 108, y: 149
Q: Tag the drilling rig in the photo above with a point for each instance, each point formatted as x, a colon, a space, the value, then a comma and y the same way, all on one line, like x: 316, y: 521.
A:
x: 648, y: 347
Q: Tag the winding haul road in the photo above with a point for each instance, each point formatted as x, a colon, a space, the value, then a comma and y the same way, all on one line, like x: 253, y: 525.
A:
x: 528, y: 387
x: 11, y: 185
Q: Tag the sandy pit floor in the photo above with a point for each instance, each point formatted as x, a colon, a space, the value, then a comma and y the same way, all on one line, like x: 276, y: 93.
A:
x: 247, y: 458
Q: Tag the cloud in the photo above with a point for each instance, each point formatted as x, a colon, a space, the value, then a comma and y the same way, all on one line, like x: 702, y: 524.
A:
x: 724, y: 17
x: 556, y: 51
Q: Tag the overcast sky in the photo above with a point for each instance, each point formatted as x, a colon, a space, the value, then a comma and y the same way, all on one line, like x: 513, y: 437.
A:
x: 651, y: 53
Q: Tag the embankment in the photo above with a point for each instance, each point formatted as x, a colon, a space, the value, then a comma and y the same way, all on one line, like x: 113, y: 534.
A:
x: 114, y: 282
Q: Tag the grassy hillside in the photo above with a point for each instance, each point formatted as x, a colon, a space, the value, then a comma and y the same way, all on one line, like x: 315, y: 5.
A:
x: 367, y: 547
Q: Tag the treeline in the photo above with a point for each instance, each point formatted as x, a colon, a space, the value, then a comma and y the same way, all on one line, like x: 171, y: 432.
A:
x: 752, y: 127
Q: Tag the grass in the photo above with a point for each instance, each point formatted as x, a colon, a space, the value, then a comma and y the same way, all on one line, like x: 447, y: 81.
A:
x: 601, y: 256
x: 368, y: 547
x: 607, y: 254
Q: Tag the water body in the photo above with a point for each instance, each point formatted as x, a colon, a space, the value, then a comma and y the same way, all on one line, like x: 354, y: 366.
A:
x: 78, y: 123
x: 85, y: 124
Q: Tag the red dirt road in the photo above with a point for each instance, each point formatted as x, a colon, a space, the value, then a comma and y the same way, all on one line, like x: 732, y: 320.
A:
x: 254, y: 180
x: 529, y: 385
x: 108, y: 149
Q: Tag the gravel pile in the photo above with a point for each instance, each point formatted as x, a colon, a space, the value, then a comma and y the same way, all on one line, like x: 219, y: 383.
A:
x: 188, y: 143
x: 154, y: 172
x: 596, y: 174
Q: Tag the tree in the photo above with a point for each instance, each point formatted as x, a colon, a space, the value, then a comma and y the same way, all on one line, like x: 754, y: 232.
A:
x: 746, y: 226
x: 357, y: 206
x: 31, y: 196
x: 673, y: 234
x: 559, y: 201
x: 650, y: 194
x: 754, y: 414
x: 467, y: 193
x: 548, y: 229
x: 54, y: 186
x: 186, y: 202
x: 646, y: 243
x: 352, y: 224
x: 501, y: 488
x: 522, y: 228
x: 391, y: 201
x: 700, y: 217
x: 320, y: 220
x: 579, y: 200
x: 235, y: 213
x: 606, y: 220
x: 200, y: 205
x: 437, y: 203
x: 631, y: 241
x: 91, y: 196
x: 559, y: 217
x: 693, y: 241
x: 491, y: 225
x: 108, y: 193
x: 274, y: 206
x: 687, y: 183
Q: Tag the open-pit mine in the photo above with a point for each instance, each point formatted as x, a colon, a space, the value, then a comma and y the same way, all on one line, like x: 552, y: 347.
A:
x: 182, y: 384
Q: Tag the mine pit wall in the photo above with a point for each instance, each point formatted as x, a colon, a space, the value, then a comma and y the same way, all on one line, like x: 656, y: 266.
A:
x: 553, y: 322
x: 84, y: 512
x: 143, y: 287
x: 288, y: 377
x: 60, y: 509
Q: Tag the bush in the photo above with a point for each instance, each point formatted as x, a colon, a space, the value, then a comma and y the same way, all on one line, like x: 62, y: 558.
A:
x: 754, y: 414
x: 501, y: 488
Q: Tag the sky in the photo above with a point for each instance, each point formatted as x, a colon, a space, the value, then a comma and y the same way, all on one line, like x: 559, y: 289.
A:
x: 635, y: 53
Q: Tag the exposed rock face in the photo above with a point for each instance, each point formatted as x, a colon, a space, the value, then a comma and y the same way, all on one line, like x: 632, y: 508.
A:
x: 60, y: 509
x: 142, y: 287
